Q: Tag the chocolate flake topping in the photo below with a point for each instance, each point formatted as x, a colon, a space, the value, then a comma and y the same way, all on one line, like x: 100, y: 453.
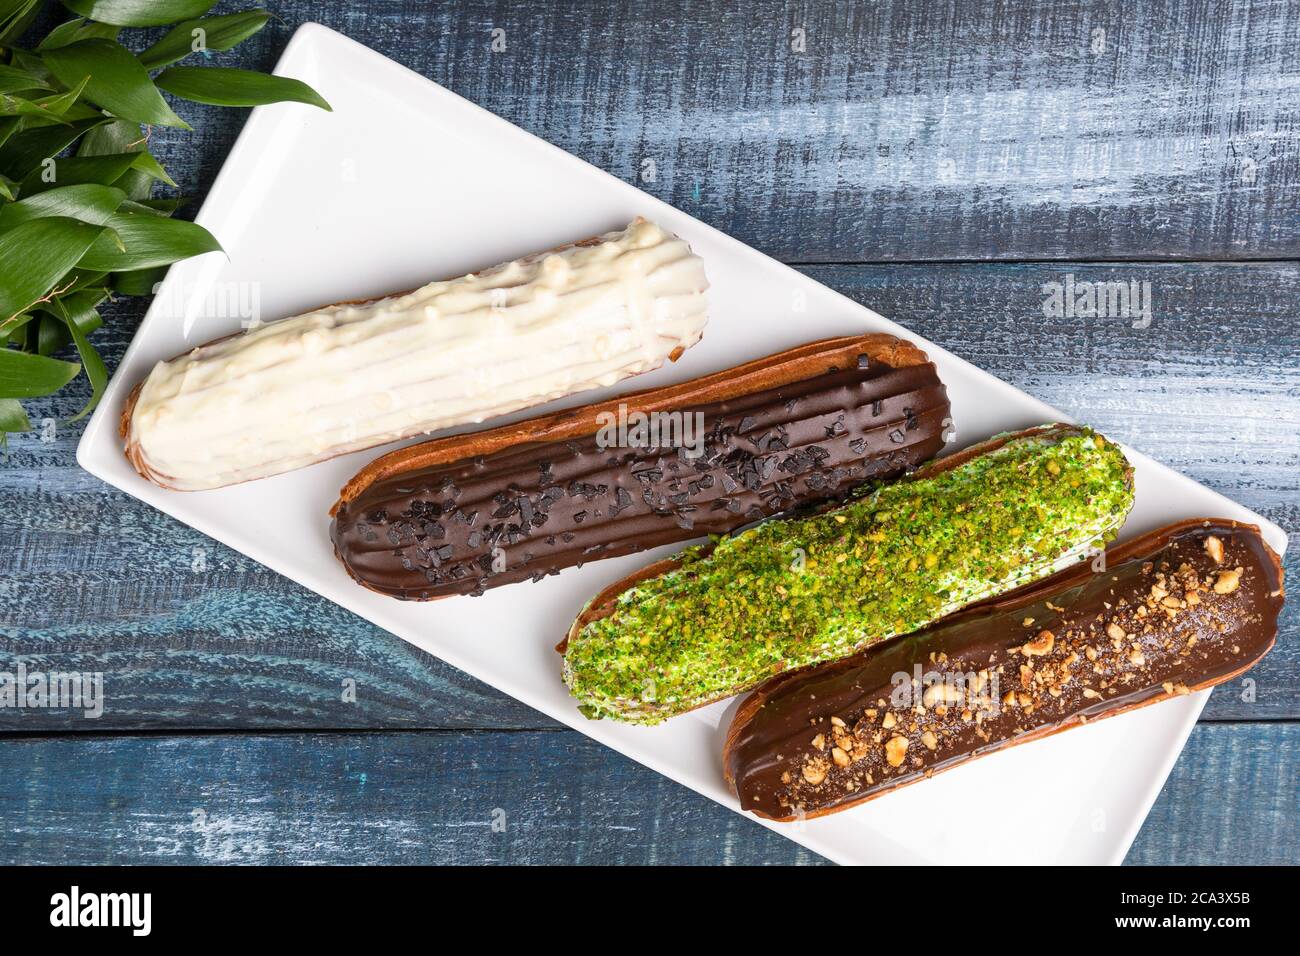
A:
x: 741, y: 468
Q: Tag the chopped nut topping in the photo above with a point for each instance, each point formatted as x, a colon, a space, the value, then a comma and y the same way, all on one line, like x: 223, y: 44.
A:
x: 1040, y: 645
x: 814, y: 773
x: 1136, y: 658
x: 1227, y: 581
x: 941, y: 694
x: 889, y: 721
x: 819, y: 741
x: 930, y: 740
x: 895, y: 751
x: 1214, y: 548
x: 1114, y: 631
x: 840, y: 757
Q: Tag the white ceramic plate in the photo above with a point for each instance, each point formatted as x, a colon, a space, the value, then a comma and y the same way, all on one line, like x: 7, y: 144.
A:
x: 405, y: 182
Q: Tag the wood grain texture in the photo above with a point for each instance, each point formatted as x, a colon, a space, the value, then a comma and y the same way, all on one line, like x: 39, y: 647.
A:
x: 433, y: 798
x: 905, y: 130
x: 1211, y: 387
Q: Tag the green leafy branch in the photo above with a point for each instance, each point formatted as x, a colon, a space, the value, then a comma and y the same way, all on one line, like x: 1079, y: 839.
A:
x: 78, y: 220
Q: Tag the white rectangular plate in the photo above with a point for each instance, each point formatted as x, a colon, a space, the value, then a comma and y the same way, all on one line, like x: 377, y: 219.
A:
x: 405, y: 182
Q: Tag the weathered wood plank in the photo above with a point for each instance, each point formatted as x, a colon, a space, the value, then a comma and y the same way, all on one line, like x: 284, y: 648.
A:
x: 1232, y: 799
x: 93, y: 580
x: 433, y: 798
x: 902, y: 130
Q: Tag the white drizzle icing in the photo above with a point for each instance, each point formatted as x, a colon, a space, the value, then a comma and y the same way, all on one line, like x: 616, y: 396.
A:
x: 343, y: 378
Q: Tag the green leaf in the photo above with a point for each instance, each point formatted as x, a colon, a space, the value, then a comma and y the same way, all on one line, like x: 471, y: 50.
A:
x: 17, y: 106
x: 118, y: 82
x: 12, y: 329
x: 150, y: 241
x: 145, y: 206
x: 36, y: 255
x: 62, y: 35
x: 7, y: 128
x: 76, y: 29
x: 51, y: 335
x: 96, y: 371
x: 12, y: 417
x: 140, y: 282
x: 78, y: 111
x: 46, y: 106
x: 7, y: 187
x: 31, y: 376
x: 88, y: 202
x: 137, y: 183
x: 60, y: 103
x: 160, y: 207
x: 105, y: 31
x: 133, y: 173
x: 85, y: 278
x: 79, y: 307
x: 71, y: 170
x: 32, y: 64
x: 15, y: 17
x: 148, y: 164
x: 11, y: 8
x: 118, y: 136
x: 70, y: 318
x: 139, y: 13
x: 15, y: 80
x: 226, y: 86
x: 25, y: 151
x: 219, y: 33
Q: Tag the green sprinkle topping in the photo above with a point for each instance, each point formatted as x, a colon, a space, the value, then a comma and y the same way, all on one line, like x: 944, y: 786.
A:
x: 790, y: 593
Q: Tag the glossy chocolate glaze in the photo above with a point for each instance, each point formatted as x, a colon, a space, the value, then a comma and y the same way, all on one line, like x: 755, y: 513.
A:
x: 529, y: 511
x: 1078, y: 646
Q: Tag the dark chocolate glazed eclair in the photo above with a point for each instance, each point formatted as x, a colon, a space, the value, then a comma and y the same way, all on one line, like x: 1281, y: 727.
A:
x: 462, y: 514
x: 1174, y: 611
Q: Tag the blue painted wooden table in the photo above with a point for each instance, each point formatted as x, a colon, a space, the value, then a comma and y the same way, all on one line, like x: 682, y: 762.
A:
x: 938, y: 161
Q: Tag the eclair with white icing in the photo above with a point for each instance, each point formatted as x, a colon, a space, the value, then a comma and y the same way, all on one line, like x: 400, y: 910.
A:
x: 351, y: 376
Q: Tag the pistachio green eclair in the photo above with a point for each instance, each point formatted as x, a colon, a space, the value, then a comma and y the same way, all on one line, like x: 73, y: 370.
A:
x: 721, y: 618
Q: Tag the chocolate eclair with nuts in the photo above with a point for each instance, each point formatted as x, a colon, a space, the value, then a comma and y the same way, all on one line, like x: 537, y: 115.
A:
x: 462, y: 514
x: 1174, y: 611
